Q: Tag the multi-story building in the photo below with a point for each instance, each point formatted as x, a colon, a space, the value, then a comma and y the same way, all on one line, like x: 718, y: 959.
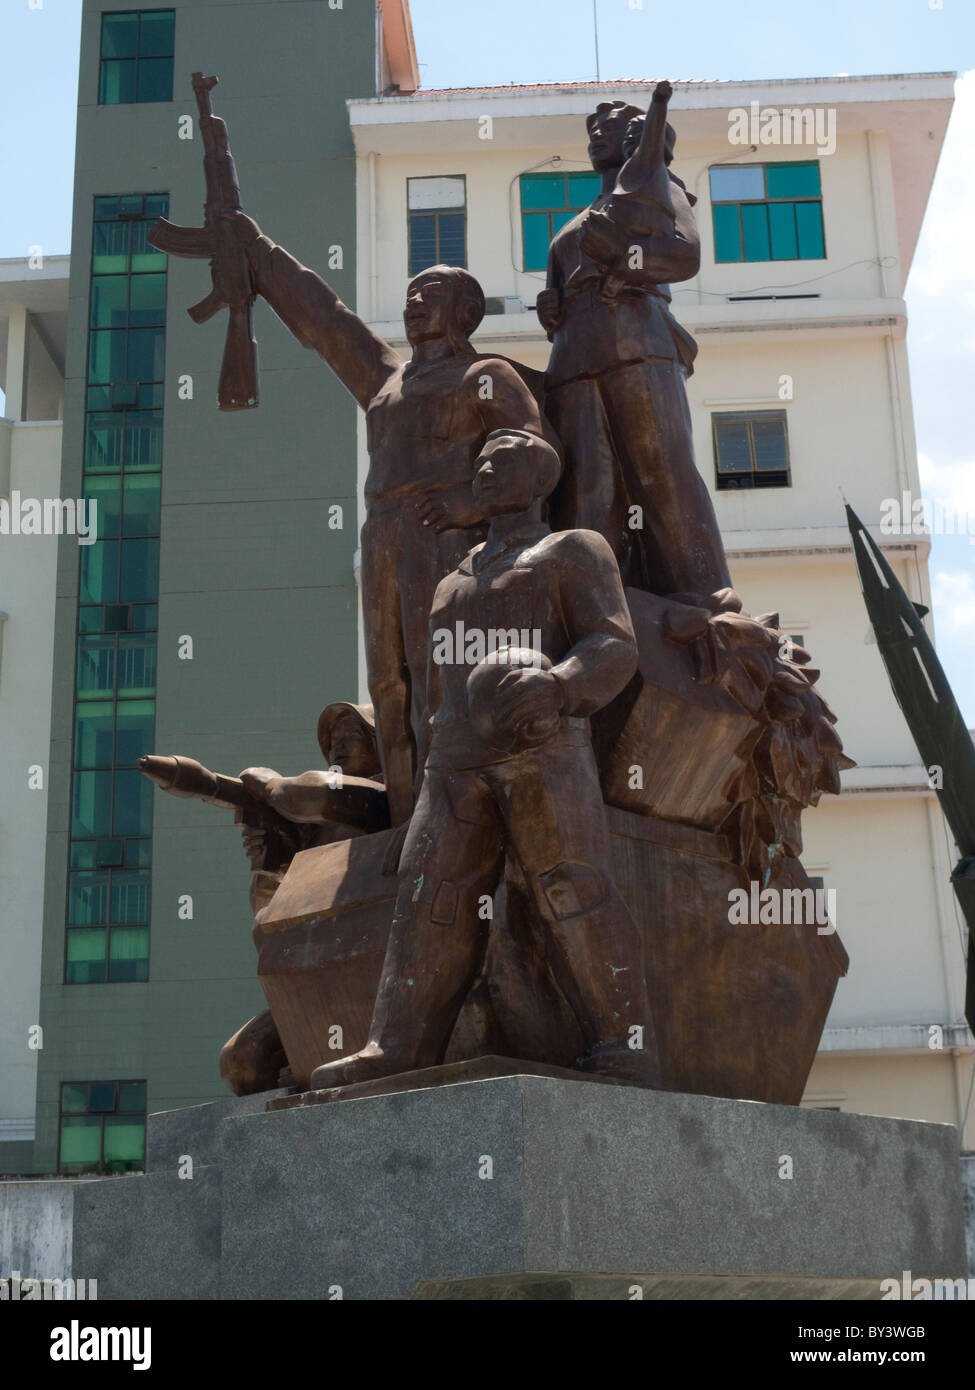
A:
x: 217, y: 613
x: 800, y: 398
x: 33, y: 326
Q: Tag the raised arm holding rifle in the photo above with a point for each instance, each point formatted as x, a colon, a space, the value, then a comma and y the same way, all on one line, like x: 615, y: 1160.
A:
x: 215, y: 240
x: 426, y: 419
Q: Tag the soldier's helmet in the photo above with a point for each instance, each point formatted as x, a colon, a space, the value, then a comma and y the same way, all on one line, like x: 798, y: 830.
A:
x: 482, y: 685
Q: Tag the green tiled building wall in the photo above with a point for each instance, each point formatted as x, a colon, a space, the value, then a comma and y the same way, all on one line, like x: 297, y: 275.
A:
x: 249, y: 568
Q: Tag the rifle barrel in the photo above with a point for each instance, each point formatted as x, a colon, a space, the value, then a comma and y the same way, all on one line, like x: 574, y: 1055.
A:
x: 186, y: 777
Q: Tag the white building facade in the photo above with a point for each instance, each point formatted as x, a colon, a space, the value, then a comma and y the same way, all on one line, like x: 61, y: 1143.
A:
x: 800, y: 399
x: 33, y: 322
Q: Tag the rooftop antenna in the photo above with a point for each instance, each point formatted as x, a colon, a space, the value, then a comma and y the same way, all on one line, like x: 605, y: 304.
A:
x: 595, y: 35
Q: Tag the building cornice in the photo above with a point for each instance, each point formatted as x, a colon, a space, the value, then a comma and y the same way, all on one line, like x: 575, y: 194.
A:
x: 886, y: 779
x: 816, y: 542
x: 689, y: 93
x: 893, y: 1039
x: 829, y: 318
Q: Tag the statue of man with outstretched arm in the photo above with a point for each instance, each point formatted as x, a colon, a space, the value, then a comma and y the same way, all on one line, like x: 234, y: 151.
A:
x: 425, y: 420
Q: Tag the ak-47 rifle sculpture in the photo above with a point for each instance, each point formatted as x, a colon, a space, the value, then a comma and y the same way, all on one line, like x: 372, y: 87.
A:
x: 232, y: 286
x: 185, y: 777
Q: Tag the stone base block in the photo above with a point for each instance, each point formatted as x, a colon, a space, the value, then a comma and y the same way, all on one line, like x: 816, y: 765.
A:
x: 650, y: 1288
x: 555, y: 1179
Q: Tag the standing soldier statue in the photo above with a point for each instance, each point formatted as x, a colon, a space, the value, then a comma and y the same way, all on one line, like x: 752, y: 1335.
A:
x: 511, y: 770
x: 425, y: 418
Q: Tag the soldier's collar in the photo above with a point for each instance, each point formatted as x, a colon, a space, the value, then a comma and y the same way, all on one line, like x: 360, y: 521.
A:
x: 520, y: 538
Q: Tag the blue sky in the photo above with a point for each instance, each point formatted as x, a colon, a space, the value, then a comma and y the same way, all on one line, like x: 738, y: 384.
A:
x: 485, y: 42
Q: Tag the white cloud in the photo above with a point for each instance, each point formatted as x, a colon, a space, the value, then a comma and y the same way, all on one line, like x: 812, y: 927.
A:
x: 950, y: 485
x: 943, y: 266
x: 953, y: 597
x: 943, y: 262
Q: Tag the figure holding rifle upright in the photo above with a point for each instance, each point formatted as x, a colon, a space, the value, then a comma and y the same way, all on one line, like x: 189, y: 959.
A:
x: 426, y: 419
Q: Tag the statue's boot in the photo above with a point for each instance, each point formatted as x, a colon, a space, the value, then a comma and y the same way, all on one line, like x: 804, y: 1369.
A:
x: 597, y: 958
x: 638, y: 1066
x: 253, y: 1060
x: 368, y: 1065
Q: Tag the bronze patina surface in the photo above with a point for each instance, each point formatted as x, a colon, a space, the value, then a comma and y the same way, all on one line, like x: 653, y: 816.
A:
x: 581, y: 750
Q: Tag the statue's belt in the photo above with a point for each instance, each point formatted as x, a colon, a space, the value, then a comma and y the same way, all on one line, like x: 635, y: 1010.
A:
x: 592, y: 292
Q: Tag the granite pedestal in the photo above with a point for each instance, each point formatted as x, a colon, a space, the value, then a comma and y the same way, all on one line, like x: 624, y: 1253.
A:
x: 480, y: 1188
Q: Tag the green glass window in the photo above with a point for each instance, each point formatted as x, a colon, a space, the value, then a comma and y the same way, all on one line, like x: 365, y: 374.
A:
x: 727, y: 232
x: 135, y: 725
x: 96, y: 666
x: 437, y: 222
x: 110, y: 853
x: 767, y: 212
x: 141, y: 506
x: 136, y: 671
x: 751, y: 449
x: 124, y: 1143
x: 139, y: 570
x: 145, y: 357
x: 793, y: 180
x: 809, y: 231
x: 109, y: 301
x: 74, y: 1098
x: 132, y: 803
x: 117, y: 617
x: 123, y: 438
x: 103, y: 442
x: 107, y: 356
x: 108, y: 918
x: 102, y: 1126
x: 129, y: 509
x: 144, y: 258
x: 110, y: 251
x: 106, y: 490
x: 81, y: 1143
x: 88, y: 899
x: 136, y: 57
x: 120, y: 300
x: 147, y: 300
x: 99, y: 572
x: 91, y: 803
x: 130, y: 896
x: 143, y: 439
x: 94, y: 737
x: 138, y: 854
x: 754, y: 231
x: 85, y: 956
x: 782, y: 231
x: 548, y: 202
x: 112, y: 733
x: 129, y: 954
